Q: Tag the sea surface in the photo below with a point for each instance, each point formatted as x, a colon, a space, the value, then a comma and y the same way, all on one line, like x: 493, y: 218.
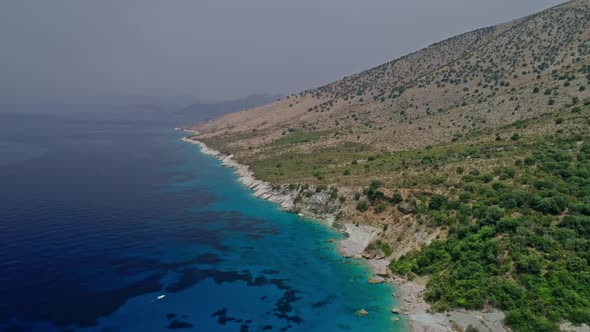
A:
x: 112, y: 224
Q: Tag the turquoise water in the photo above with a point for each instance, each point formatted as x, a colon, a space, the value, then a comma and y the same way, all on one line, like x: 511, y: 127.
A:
x: 95, y: 236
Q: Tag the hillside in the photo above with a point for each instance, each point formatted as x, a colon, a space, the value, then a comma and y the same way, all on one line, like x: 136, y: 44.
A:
x: 479, y: 80
x: 471, y: 156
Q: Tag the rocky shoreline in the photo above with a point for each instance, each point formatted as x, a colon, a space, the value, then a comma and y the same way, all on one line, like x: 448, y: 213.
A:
x: 358, y: 236
x: 260, y: 188
x: 409, y: 293
x: 422, y: 319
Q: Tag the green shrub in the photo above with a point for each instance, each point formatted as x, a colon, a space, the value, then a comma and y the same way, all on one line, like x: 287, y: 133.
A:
x: 550, y: 205
x: 531, y: 264
x: 524, y: 320
x: 375, y: 184
x: 580, y: 224
x: 396, y: 198
x: 381, y: 207
x: 362, y: 206
x: 437, y: 202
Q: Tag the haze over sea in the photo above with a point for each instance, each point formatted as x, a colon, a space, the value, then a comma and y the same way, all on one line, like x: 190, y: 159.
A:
x: 101, y: 215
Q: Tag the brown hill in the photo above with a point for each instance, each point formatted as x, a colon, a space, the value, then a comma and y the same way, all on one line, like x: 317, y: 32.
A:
x: 480, y: 80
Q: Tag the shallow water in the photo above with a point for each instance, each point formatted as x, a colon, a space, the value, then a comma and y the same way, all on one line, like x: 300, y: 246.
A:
x: 100, y: 218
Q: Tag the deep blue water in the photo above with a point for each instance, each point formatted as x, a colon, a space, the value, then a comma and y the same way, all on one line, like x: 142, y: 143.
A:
x: 99, y: 217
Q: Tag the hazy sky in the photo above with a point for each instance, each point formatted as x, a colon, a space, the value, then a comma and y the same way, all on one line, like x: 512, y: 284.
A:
x: 218, y: 49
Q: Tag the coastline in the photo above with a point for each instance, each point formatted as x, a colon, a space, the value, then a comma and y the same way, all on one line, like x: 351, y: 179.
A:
x: 409, y: 293
x: 358, y: 237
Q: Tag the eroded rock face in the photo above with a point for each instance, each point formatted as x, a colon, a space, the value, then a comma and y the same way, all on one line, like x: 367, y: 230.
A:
x: 358, y: 239
x: 405, y: 207
x: 569, y: 327
x: 319, y: 203
x: 380, y: 267
x: 319, y: 199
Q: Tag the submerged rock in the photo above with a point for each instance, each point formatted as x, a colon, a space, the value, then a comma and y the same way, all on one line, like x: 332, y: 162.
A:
x: 376, y: 280
x: 362, y: 312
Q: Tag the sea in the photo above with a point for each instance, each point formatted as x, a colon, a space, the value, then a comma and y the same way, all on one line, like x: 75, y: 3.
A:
x: 111, y: 223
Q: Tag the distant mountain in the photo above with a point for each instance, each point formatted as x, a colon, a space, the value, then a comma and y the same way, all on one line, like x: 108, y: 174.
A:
x: 171, y: 111
x: 202, y: 111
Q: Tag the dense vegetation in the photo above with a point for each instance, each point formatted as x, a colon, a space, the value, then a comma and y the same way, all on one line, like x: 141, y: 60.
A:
x: 518, y: 238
